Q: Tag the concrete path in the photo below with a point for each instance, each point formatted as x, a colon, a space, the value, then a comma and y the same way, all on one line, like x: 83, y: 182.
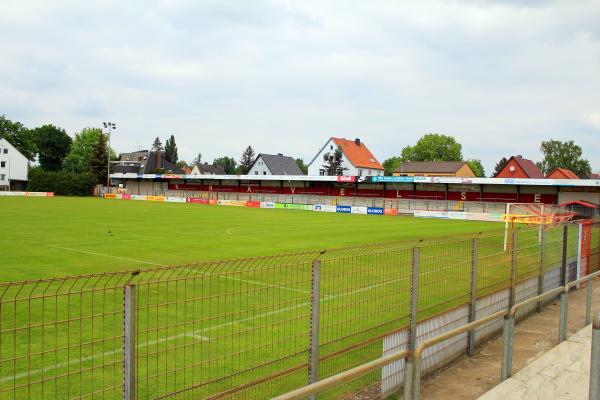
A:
x: 561, y: 373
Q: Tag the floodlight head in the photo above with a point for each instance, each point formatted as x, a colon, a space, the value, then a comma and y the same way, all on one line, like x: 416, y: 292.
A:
x: 105, y: 125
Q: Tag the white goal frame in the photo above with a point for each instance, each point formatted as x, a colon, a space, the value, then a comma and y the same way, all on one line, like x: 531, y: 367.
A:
x: 507, y: 217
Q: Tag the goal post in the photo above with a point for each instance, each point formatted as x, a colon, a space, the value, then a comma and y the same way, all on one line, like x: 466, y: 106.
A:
x: 539, y: 214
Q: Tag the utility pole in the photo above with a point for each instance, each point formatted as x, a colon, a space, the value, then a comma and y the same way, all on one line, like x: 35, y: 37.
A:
x: 110, y: 126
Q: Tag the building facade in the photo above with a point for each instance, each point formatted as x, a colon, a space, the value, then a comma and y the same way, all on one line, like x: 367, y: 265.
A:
x: 13, y: 167
x: 519, y: 167
x: 357, y: 160
x: 274, y: 164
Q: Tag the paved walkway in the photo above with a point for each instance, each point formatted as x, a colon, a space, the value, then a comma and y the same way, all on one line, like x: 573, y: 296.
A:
x: 561, y: 373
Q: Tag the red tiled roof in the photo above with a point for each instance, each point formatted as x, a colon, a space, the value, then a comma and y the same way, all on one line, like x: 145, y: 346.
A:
x: 562, y: 173
x: 358, y: 154
x: 579, y: 202
x: 528, y: 167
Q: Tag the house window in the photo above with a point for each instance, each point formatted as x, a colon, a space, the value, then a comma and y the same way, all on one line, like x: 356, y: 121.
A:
x: 321, y: 172
x: 360, y: 172
x: 255, y: 172
x: 2, y: 164
x: 2, y: 177
x: 264, y: 172
x: 369, y: 172
x: 5, y: 151
x: 331, y: 147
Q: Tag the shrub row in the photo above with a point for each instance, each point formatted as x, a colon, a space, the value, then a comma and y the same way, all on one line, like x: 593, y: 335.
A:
x: 60, y: 182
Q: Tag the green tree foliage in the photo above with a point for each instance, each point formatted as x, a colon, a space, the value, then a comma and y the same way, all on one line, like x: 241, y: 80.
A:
x: 477, y: 167
x: 197, y: 160
x: 332, y: 162
x: 171, y: 150
x: 303, y: 167
x: 53, y: 145
x: 391, y: 164
x: 246, y: 161
x: 62, y: 183
x: 501, y: 164
x: 564, y: 155
x: 227, y: 163
x: 157, y: 145
x: 19, y: 136
x: 82, y: 148
x: 433, y: 147
x: 99, y: 160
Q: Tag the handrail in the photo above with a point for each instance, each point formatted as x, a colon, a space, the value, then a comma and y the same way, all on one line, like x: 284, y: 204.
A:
x: 335, y: 380
x: 582, y: 280
x: 540, y: 297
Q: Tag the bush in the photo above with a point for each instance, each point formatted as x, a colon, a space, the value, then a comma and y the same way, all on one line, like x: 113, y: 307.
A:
x: 60, y: 182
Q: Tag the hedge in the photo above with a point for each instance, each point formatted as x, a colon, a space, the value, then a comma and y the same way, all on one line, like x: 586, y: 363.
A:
x: 60, y: 182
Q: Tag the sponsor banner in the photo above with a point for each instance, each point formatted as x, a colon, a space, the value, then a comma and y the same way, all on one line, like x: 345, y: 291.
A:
x: 457, y: 215
x: 390, y: 211
x: 343, y: 209
x: 197, y: 201
x: 359, y: 210
x: 213, y: 202
x: 155, y: 198
x: 431, y: 214
x: 526, y: 219
x: 267, y: 204
x: 323, y: 208
x: 126, y: 196
x: 345, y: 178
x: 28, y: 194
x: 138, y: 197
x: 175, y: 199
x: 374, y: 210
x: 392, y: 179
x: 278, y: 205
x: 294, y: 206
x: 308, y: 207
x: 253, y: 204
x: 233, y: 203
x: 110, y: 196
x: 491, y: 217
x: 173, y: 176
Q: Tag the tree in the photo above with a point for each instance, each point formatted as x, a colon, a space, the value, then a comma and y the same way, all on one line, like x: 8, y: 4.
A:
x: 227, y: 163
x: 564, y: 155
x: 391, y: 164
x: 433, y: 147
x: 99, y: 160
x: 83, y: 145
x: 19, y: 136
x: 157, y: 145
x: 477, y: 167
x: 171, y: 150
x: 303, y: 167
x: 333, y: 162
x: 53, y: 145
x: 197, y: 160
x: 246, y: 161
x: 500, y: 165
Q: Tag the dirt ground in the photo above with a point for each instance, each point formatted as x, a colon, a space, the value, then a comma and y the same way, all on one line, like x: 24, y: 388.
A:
x: 470, y: 377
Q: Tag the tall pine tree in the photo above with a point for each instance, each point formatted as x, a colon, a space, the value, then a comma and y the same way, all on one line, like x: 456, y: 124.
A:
x: 99, y: 160
x: 171, y: 150
x: 247, y: 160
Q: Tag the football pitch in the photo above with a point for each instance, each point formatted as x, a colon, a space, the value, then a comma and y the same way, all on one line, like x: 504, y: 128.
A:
x: 219, y: 329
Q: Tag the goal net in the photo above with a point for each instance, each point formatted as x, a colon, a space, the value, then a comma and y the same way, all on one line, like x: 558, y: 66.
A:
x: 535, y: 214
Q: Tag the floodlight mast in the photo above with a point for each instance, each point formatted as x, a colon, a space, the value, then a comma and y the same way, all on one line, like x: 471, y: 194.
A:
x: 110, y: 126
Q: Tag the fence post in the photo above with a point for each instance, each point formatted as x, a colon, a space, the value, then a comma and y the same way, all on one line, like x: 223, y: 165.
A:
x: 313, y: 369
x: 473, y: 298
x: 563, y: 265
x: 409, y: 370
x: 513, y: 270
x: 129, y: 336
x: 508, y: 331
x: 542, y: 268
x: 564, y: 315
x: 588, y: 303
x: 595, y: 361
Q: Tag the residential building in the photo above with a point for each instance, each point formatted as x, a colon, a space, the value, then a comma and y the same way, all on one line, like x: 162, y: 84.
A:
x: 519, y: 167
x: 145, y: 162
x: 595, y: 175
x: 357, y: 160
x: 13, y: 167
x: 561, y: 173
x: 434, y: 168
x: 208, y: 169
x: 269, y: 164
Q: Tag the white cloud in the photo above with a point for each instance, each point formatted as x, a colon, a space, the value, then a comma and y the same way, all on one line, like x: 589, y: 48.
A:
x: 284, y: 75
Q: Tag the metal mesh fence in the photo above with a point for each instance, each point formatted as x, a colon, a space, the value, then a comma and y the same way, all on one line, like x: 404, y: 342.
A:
x: 255, y: 328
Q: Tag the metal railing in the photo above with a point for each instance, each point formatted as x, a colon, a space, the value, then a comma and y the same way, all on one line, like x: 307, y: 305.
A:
x: 260, y: 327
x: 595, y: 360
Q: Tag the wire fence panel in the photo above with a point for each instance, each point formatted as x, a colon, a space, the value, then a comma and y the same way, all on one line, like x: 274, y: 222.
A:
x: 259, y: 327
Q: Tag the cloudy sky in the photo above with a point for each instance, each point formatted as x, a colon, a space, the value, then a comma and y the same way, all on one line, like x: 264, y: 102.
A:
x: 284, y: 76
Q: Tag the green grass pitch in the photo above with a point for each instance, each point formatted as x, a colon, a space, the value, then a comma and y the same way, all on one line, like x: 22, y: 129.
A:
x: 218, y: 327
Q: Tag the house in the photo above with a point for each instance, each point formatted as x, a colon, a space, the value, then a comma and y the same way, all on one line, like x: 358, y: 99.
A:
x: 561, y: 173
x: 269, y: 164
x: 519, y: 167
x: 434, y: 168
x: 145, y: 162
x: 186, y: 170
x: 13, y: 167
x: 208, y: 169
x: 595, y: 176
x: 357, y: 160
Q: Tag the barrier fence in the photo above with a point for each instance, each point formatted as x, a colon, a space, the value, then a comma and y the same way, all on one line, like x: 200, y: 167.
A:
x: 259, y: 327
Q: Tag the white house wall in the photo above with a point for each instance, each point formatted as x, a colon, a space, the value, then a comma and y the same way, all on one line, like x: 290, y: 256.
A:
x: 259, y: 168
x: 317, y: 164
x: 16, y: 164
